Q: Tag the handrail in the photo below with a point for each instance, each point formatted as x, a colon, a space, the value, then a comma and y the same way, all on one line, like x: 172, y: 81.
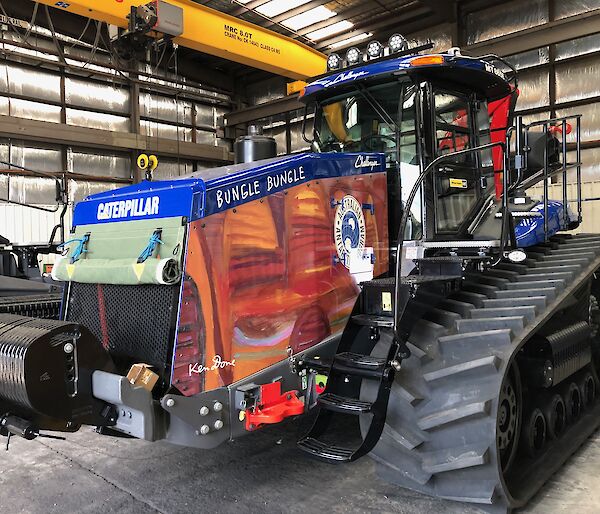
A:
x: 521, y: 161
x: 408, y: 204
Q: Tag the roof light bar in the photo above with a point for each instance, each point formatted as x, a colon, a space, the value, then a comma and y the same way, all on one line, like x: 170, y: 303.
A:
x: 375, y: 49
x: 397, y: 43
x: 334, y: 62
x: 353, y: 56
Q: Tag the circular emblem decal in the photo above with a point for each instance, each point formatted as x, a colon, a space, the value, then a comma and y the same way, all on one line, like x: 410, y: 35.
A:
x: 349, y: 230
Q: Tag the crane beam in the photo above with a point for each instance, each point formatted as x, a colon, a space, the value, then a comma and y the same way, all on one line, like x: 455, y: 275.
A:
x: 216, y: 33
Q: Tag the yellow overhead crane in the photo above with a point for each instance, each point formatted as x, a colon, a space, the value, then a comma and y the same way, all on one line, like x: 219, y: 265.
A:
x: 215, y: 33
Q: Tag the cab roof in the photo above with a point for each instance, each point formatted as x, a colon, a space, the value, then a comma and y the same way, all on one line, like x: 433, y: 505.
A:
x: 467, y: 73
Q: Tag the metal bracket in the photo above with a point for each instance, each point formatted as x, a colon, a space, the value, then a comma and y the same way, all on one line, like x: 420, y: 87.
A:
x: 138, y: 415
x: 369, y: 207
x: 199, y: 421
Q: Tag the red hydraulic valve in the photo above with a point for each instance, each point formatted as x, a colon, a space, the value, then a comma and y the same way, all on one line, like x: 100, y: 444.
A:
x: 557, y: 129
x: 273, y: 407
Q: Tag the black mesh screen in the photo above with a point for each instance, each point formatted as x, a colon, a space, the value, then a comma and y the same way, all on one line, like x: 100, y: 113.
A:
x: 135, y: 323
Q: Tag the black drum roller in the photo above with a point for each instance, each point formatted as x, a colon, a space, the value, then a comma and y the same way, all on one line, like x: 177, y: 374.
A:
x: 555, y: 412
x: 533, y: 436
x: 587, y: 387
x: 46, y: 369
x: 572, y: 397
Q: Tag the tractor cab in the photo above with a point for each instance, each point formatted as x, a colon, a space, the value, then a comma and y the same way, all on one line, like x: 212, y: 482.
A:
x: 415, y: 108
x: 459, y: 173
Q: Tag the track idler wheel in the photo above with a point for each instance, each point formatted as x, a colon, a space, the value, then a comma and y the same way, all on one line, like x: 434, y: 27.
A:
x: 587, y: 388
x: 572, y: 396
x: 534, y: 433
x: 555, y: 412
x: 508, y: 423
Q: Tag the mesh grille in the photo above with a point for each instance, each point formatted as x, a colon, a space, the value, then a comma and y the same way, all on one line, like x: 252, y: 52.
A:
x: 134, y: 323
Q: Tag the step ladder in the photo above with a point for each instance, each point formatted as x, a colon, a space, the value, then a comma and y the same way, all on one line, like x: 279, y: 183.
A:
x: 371, y: 326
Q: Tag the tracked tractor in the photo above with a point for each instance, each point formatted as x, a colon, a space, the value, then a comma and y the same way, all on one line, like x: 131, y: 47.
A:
x: 409, y: 286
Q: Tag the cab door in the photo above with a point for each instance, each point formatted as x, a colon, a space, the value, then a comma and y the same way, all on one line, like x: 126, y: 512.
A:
x: 458, y: 184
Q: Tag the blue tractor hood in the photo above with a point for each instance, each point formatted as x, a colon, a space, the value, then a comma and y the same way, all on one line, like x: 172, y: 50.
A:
x: 215, y: 190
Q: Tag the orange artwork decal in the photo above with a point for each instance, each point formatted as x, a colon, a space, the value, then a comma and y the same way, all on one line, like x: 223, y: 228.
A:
x: 266, y: 276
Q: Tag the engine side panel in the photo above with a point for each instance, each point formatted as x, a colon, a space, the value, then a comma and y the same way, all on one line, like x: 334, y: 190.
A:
x: 267, y: 275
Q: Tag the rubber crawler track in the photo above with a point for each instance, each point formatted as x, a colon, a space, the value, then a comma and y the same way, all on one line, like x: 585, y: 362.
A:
x: 440, y: 434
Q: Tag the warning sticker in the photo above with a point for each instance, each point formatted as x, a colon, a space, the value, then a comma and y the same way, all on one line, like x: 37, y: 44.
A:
x: 386, y: 301
x: 245, y: 36
x: 458, y: 183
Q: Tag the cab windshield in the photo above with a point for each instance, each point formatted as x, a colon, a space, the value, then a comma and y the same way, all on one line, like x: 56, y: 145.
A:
x: 364, y: 120
x: 380, y: 118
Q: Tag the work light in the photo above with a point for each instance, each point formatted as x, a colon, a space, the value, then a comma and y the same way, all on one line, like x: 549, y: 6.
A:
x: 397, y: 43
x: 353, y: 56
x: 375, y: 49
x: 334, y: 62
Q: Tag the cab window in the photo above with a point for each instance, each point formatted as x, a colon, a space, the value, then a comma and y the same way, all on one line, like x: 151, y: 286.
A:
x: 360, y: 121
x: 456, y: 181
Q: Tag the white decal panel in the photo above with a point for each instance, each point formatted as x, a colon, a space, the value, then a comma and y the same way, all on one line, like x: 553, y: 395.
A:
x: 349, y: 231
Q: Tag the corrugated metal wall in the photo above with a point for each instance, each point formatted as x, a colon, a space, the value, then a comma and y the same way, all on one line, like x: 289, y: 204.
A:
x: 31, y: 88
x: 559, y: 80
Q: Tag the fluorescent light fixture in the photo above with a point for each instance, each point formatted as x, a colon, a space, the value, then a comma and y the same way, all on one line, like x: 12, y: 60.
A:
x: 277, y: 7
x: 307, y: 18
x: 350, y: 40
x: 340, y: 26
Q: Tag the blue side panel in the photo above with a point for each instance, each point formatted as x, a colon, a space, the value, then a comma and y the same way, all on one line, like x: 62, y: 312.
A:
x: 530, y: 232
x: 147, y: 200
x: 232, y: 190
x: 220, y: 188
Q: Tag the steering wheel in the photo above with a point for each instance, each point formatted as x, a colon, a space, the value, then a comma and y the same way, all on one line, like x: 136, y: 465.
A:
x: 368, y: 141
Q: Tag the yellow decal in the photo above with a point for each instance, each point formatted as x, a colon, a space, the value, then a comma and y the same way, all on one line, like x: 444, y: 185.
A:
x: 386, y: 301
x: 458, y: 183
x: 70, y: 270
x: 138, y: 269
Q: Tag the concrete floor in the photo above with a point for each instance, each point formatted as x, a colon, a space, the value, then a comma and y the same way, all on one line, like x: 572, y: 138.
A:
x: 263, y: 472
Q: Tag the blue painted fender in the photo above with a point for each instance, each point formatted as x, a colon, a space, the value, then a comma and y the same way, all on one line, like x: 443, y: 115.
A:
x: 530, y: 231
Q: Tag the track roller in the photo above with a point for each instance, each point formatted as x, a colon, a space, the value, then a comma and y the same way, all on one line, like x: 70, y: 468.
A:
x: 555, y: 412
x: 533, y: 436
x: 572, y: 397
x: 587, y: 388
x: 508, y: 421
